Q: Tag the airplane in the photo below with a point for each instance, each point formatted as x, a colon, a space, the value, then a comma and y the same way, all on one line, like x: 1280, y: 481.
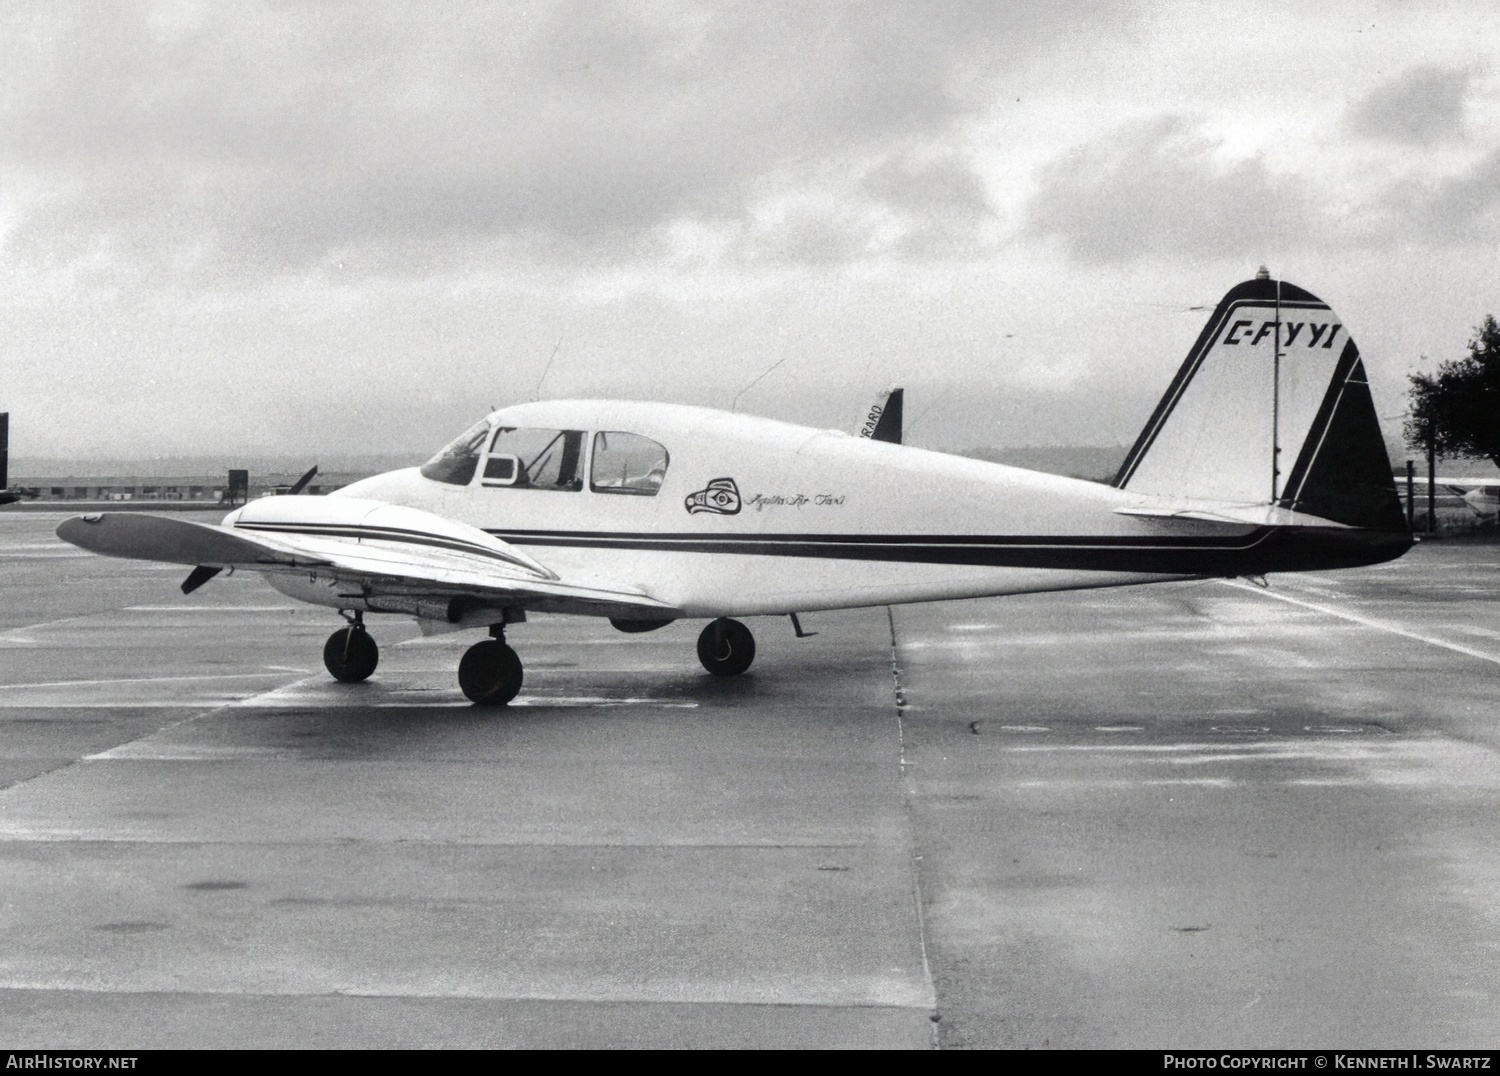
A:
x: 883, y: 423
x: 1480, y: 494
x: 1264, y: 455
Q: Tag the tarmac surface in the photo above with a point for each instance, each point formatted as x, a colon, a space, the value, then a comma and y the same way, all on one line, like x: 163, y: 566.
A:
x: 1188, y: 815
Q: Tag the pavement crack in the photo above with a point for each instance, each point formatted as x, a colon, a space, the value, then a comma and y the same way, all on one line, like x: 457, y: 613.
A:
x: 909, y: 796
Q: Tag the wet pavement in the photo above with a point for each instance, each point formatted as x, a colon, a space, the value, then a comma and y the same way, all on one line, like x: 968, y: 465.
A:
x: 1191, y: 814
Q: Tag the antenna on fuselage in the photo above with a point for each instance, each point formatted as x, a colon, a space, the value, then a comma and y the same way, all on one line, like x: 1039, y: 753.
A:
x: 735, y: 403
x: 1265, y: 274
x: 537, y: 394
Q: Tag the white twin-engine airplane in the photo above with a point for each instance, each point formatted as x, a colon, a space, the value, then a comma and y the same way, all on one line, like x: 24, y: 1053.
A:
x: 1480, y: 494
x: 1263, y: 456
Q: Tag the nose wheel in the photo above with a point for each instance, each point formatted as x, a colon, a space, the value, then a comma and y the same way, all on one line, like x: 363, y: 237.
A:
x: 726, y: 647
x: 490, y: 673
x: 350, y: 654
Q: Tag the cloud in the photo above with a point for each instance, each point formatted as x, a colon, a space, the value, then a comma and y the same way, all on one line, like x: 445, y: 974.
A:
x: 271, y: 138
x: 1460, y: 210
x: 905, y: 206
x: 941, y: 199
x: 1419, y: 107
x: 1161, y: 188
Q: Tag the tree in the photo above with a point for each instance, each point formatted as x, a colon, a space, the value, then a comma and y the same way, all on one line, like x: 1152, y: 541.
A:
x: 1457, y: 411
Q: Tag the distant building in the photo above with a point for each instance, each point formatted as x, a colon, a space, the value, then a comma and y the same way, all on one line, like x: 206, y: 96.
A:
x: 207, y: 489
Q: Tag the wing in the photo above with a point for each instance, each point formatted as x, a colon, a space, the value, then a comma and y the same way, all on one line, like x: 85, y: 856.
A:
x: 392, y: 558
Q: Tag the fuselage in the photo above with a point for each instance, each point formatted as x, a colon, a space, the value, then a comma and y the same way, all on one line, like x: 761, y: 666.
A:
x: 1485, y: 501
x: 722, y: 514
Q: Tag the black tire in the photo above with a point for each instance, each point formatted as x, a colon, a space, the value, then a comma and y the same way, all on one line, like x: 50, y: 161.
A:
x: 351, y: 655
x: 490, y: 673
x: 726, y: 647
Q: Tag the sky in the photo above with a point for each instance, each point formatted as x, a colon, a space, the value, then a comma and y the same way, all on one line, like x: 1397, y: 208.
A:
x: 309, y: 227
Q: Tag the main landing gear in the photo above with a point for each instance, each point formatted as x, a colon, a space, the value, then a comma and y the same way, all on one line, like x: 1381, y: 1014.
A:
x: 350, y: 654
x: 490, y: 672
x: 726, y: 647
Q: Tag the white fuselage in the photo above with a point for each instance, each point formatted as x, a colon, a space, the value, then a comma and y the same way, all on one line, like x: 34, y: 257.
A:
x: 822, y: 519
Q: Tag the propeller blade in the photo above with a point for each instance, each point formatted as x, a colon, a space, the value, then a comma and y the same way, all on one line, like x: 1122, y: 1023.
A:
x: 198, y: 577
x: 298, y: 485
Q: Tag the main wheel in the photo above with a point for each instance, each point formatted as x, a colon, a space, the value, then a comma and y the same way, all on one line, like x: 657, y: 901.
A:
x: 726, y: 647
x: 351, y: 655
x: 490, y: 673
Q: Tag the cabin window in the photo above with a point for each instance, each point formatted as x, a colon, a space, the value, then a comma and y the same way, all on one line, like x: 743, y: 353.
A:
x: 456, y: 463
x: 535, y: 459
x: 627, y: 463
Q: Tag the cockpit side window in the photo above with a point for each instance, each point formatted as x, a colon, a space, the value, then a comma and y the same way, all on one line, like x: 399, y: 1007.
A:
x: 627, y: 463
x: 456, y: 462
x: 535, y: 459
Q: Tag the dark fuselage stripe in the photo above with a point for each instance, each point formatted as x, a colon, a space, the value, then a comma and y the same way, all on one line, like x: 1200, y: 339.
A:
x: 708, y: 543
x: 1085, y: 553
x: 1262, y: 549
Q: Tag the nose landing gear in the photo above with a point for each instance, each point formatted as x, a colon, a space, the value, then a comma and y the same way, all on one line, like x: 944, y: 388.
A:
x: 726, y: 647
x: 490, y: 673
x: 350, y: 654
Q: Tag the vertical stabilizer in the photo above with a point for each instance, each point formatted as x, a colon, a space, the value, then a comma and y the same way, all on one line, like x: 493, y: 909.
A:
x: 883, y: 423
x: 1271, y: 406
x: 889, y: 426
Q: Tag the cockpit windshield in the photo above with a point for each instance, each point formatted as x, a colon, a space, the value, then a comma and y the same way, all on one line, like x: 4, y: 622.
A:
x: 456, y: 463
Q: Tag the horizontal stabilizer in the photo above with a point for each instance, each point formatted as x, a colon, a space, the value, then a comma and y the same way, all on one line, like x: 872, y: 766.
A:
x: 1253, y: 515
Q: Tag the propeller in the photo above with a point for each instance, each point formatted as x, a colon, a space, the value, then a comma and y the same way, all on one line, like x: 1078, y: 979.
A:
x: 203, y: 573
x: 198, y: 577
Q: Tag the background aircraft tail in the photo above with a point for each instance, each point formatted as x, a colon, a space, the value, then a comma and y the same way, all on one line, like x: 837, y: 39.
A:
x: 883, y: 423
x: 1271, y: 406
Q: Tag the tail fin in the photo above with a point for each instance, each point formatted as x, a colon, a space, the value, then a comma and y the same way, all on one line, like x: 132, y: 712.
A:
x: 1271, y: 406
x: 883, y: 423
